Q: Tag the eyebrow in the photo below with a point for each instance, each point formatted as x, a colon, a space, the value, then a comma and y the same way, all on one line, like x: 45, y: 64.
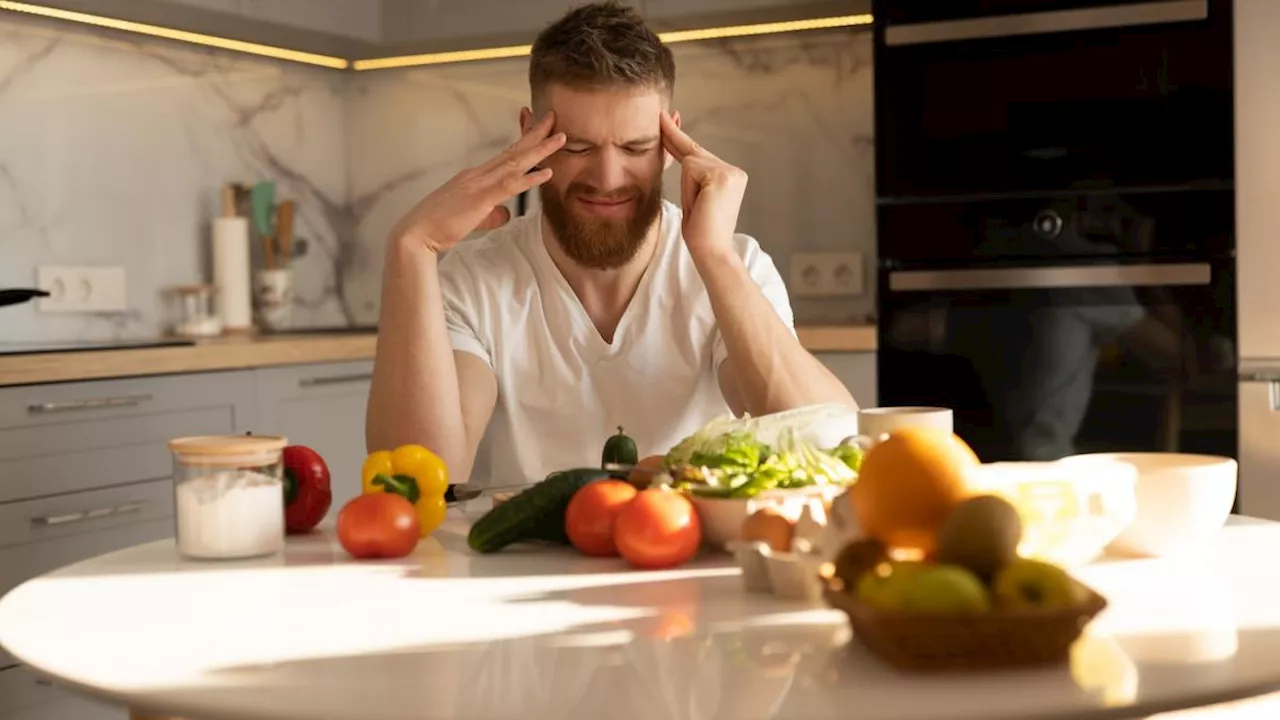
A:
x: 572, y: 140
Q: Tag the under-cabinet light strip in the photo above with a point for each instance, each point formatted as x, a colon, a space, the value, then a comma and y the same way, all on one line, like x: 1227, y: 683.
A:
x: 180, y: 35
x: 438, y: 58
x: 674, y: 36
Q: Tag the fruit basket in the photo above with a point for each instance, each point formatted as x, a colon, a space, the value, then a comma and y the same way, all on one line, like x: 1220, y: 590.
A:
x: 998, y: 639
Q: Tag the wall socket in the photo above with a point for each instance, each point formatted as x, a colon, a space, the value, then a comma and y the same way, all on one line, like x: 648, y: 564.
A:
x: 82, y: 289
x: 827, y: 274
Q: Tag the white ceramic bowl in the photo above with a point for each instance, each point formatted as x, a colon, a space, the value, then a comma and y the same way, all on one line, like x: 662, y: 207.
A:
x: 1183, y: 500
x: 1070, y: 513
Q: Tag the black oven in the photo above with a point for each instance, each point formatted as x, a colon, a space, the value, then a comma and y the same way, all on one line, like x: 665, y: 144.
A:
x: 1055, y: 222
x: 1066, y: 324
x: 984, y: 96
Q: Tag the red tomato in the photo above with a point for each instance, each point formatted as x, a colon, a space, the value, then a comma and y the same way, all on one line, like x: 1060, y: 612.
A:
x: 378, y: 525
x: 590, y: 516
x: 658, y: 529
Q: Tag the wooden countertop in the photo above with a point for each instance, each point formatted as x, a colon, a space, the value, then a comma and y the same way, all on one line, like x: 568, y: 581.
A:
x: 232, y: 352
x: 236, y: 352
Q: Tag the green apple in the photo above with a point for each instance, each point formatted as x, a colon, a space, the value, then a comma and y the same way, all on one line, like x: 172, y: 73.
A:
x: 1029, y: 583
x: 945, y: 589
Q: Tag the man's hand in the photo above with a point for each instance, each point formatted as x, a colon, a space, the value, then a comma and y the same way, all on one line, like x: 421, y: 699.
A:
x: 711, y: 191
x: 472, y: 199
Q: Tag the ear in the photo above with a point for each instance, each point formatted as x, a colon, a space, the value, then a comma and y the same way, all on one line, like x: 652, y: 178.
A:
x: 526, y: 120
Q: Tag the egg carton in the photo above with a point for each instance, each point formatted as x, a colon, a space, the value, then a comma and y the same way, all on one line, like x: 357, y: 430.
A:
x: 794, y: 574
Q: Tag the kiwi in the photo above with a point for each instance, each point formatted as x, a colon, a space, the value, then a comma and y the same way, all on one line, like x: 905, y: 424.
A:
x: 981, y: 534
x: 856, y: 558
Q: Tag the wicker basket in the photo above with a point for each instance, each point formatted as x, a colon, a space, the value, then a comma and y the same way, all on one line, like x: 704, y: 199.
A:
x: 1001, y: 639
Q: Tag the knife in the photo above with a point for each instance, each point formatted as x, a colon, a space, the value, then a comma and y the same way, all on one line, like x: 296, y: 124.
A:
x: 20, y: 295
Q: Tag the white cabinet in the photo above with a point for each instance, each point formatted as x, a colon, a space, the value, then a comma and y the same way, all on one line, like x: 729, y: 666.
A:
x: 321, y: 406
x: 23, y: 696
x: 858, y: 373
x: 1257, y: 115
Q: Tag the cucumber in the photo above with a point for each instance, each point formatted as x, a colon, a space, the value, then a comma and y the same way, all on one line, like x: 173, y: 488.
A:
x: 537, y: 513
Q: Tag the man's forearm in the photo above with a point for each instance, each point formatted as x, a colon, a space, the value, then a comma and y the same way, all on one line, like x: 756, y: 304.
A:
x: 414, y: 396
x: 772, y: 369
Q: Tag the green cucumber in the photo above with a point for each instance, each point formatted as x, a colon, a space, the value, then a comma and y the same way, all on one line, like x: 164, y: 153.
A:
x: 620, y: 450
x: 537, y: 513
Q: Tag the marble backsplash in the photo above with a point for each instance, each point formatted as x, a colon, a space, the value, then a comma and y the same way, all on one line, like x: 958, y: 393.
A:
x: 112, y: 152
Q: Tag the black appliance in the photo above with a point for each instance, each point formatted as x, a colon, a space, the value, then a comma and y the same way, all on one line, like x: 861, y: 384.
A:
x: 1055, y: 220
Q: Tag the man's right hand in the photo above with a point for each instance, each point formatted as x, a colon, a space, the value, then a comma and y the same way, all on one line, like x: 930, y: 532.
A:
x: 473, y: 198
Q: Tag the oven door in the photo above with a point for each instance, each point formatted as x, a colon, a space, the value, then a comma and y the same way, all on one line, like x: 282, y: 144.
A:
x: 1043, y: 361
x: 995, y: 96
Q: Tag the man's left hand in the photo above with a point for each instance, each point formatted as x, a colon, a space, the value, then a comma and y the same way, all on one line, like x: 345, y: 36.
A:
x: 711, y: 191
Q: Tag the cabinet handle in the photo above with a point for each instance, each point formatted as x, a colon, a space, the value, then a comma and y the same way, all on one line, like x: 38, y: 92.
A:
x: 335, y: 380
x: 68, y: 518
x: 89, y: 404
x: 1047, y: 21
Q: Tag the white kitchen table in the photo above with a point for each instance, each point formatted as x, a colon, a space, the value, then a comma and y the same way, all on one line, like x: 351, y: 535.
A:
x: 545, y: 633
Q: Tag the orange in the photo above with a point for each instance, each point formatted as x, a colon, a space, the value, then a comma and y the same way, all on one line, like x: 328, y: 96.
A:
x: 909, y: 484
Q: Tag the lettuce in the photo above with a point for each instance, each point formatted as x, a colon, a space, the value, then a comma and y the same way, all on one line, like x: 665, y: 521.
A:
x: 734, y: 463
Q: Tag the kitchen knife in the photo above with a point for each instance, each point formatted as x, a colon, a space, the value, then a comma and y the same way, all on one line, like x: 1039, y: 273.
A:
x: 15, y: 296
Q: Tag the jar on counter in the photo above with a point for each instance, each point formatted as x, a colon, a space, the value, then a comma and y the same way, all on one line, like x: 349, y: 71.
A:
x: 228, y: 496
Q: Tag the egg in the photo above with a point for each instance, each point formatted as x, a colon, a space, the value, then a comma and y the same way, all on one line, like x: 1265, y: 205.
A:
x: 770, y: 527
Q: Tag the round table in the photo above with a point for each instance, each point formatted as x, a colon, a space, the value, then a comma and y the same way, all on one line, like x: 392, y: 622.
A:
x: 534, y: 633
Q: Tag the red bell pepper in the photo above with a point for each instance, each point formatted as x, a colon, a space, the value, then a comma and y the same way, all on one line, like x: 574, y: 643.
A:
x: 307, y: 494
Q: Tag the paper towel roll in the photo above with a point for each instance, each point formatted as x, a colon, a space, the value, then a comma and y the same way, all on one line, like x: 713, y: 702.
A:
x: 231, y: 272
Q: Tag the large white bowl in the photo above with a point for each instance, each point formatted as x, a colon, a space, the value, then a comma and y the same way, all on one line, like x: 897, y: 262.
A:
x: 1070, y: 513
x: 1183, y: 499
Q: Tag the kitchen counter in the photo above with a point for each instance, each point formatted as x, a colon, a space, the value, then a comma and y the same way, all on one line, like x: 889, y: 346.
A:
x: 236, y: 352
x: 537, y: 632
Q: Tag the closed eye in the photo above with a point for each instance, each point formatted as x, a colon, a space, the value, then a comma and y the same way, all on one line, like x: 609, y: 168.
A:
x: 639, y: 150
x: 577, y: 150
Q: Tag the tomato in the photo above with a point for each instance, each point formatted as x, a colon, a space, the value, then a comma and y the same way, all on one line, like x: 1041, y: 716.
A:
x: 378, y: 525
x: 590, y: 516
x: 658, y: 529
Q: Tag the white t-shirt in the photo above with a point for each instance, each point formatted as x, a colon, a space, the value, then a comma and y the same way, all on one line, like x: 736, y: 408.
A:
x: 562, y: 390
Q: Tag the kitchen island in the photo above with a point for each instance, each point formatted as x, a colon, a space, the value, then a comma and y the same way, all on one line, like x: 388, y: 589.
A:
x: 538, y: 632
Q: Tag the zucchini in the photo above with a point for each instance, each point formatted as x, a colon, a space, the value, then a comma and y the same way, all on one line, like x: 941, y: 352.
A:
x: 537, y: 513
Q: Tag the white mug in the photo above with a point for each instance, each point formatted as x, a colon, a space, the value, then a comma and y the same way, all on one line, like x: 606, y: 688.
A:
x: 874, y: 423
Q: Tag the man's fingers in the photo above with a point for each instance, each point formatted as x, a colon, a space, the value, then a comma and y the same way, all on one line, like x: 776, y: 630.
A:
x: 527, y: 159
x: 674, y: 139
x: 496, y: 218
x: 537, y: 133
x: 516, y: 184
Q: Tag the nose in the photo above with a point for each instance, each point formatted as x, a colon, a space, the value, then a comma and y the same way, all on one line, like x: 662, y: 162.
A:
x: 608, y: 171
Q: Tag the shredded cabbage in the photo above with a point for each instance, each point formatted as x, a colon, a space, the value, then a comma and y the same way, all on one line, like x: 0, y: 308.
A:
x: 731, y: 461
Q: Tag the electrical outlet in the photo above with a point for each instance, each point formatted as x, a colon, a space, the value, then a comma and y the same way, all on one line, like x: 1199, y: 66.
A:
x: 834, y: 274
x: 82, y: 289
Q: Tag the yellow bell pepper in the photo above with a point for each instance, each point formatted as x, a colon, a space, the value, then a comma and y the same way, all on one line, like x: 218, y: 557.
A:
x: 413, y: 472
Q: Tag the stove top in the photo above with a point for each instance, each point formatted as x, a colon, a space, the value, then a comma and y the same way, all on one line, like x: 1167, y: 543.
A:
x: 51, y: 346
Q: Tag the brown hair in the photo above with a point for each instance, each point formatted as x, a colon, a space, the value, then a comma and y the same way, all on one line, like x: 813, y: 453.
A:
x: 600, y: 45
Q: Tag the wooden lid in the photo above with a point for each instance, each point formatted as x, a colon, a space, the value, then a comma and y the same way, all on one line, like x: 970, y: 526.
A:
x: 228, y: 449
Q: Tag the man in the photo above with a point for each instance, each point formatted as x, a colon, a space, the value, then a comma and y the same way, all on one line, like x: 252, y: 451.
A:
x: 608, y: 308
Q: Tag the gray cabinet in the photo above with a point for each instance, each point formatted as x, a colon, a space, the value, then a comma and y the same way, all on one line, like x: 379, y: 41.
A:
x: 321, y: 406
x: 858, y: 373
x: 85, y: 470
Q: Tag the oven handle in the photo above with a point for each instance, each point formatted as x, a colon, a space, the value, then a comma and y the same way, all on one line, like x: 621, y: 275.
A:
x: 1050, y: 278
x: 1048, y: 21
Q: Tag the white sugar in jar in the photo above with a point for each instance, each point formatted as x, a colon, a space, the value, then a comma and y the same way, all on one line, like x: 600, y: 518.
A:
x: 228, y: 496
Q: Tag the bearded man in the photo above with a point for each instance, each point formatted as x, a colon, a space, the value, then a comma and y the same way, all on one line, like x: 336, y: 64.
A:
x: 610, y: 307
